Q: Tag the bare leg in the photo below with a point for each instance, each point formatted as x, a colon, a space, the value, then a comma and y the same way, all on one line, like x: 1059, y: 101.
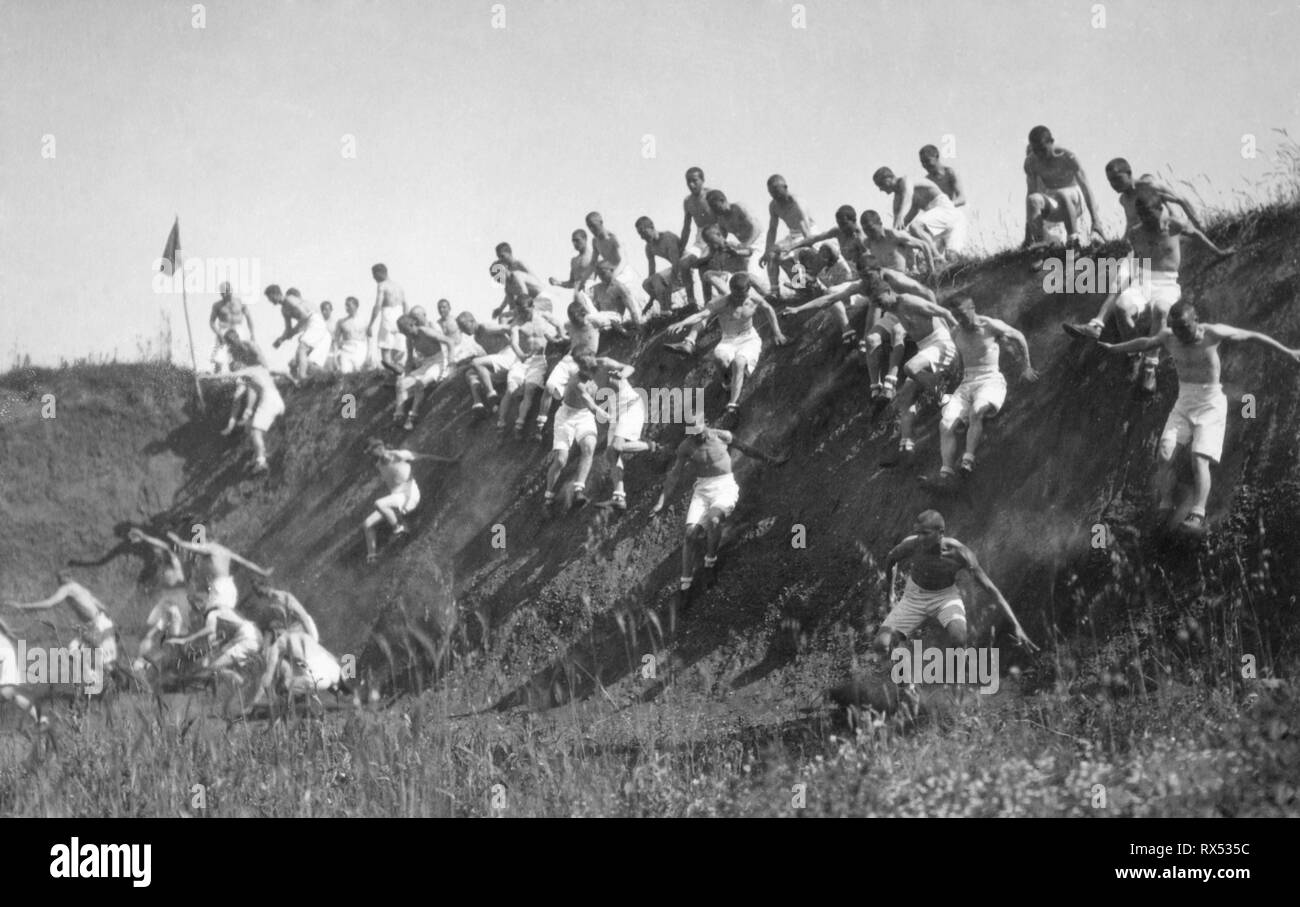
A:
x: 586, y: 453
x: 559, y: 459
x: 694, y: 535
x: 1201, y: 483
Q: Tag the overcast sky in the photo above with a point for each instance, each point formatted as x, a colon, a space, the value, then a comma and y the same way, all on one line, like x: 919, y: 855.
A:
x: 119, y: 116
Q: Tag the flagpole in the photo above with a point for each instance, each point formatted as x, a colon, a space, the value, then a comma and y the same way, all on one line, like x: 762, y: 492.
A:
x: 185, y: 304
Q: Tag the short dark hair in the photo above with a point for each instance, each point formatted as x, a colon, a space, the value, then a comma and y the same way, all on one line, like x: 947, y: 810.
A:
x: 739, y: 281
x: 929, y: 151
x: 379, y: 269
x: 1119, y: 165
x: 956, y: 302
x: 578, y: 232
x: 690, y: 170
x: 846, y: 211
x: 715, y: 195
x: 931, y: 517
x: 1039, y: 134
x: 884, y: 173
x: 1147, y: 199
x: 773, y: 178
x: 1180, y: 309
x: 293, y: 291
x: 273, y: 290
x: 644, y: 221
x: 503, y: 247
x: 873, y: 218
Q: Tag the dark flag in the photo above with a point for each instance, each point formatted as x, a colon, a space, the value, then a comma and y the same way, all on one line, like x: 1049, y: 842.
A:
x: 170, y: 261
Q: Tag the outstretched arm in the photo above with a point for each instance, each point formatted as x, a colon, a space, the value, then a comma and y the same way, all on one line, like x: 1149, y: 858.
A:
x: 908, y: 240
x: 829, y: 299
x: 188, y: 546
x: 753, y: 451
x: 901, y: 283
x: 209, y: 629
x: 60, y: 594
x: 982, y: 579
x: 137, y: 535
x: 1137, y: 344
x: 1226, y: 332
x: 1204, y: 240
x: 116, y: 551
x: 249, y: 565
x: 766, y: 308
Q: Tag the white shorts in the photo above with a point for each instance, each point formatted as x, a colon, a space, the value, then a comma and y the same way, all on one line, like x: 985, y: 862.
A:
x: 630, y: 419
x: 390, y: 338
x: 312, y: 667
x: 1054, y: 220
x: 631, y: 280
x: 222, y: 592
x: 698, y: 247
x: 269, y: 408
x: 713, y: 493
x: 943, y: 224
x: 349, y: 358
x: 936, y: 351
x: 944, y: 605
x: 571, y: 426
x: 1199, y: 417
x: 429, y: 371
x: 404, y: 498
x: 974, y: 392
x: 501, y: 362
x: 1158, y: 289
x: 530, y: 372
x: 748, y: 345
x: 316, y: 338
x: 565, y: 369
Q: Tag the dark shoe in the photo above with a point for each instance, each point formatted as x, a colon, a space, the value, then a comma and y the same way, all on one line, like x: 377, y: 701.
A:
x: 898, y: 457
x: 579, y: 498
x: 966, y: 469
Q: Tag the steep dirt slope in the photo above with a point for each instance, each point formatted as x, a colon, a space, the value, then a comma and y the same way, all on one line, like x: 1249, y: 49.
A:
x: 579, y: 597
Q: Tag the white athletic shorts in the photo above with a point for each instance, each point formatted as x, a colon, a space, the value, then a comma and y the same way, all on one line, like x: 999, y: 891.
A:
x: 1158, y: 289
x: 222, y: 592
x: 269, y: 408
x: 390, y: 338
x: 944, y: 605
x: 349, y: 358
x: 572, y: 424
x: 748, y: 344
x: 501, y: 362
x: 936, y: 351
x: 976, y: 390
x: 629, y: 419
x: 316, y: 338
x: 941, y: 223
x: 530, y: 372
x: 429, y: 371
x: 239, y: 650
x: 1199, y: 417
x: 713, y: 493
x: 1054, y: 221
x: 404, y: 498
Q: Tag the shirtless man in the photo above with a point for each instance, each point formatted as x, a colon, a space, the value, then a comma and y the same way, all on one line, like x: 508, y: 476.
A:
x: 575, y: 423
x: 889, y: 248
x: 783, y: 208
x: 921, y: 208
x: 394, y: 468
x: 610, y: 294
x: 727, y: 257
x: 428, y: 350
x: 171, y: 613
x: 738, y: 351
x: 96, y: 630
x: 484, y: 369
x: 294, y: 658
x: 390, y: 304
x: 1119, y: 173
x: 945, y: 177
x: 531, y: 331
x: 584, y: 326
x: 228, y: 314
x: 1152, y: 277
x: 626, y: 415
x: 927, y: 323
x: 695, y: 210
x: 734, y: 220
x: 1057, y: 192
x: 351, y: 344
x: 983, y: 388
x: 238, y: 643
x: 299, y: 321
x: 318, y: 337
x: 222, y: 591
x: 607, y: 249
x: 12, y: 677
x: 269, y: 407
x: 581, y: 266
x: 672, y: 288
x: 886, y: 330
x: 847, y: 234
x: 1200, y: 415
x: 706, y: 452
x: 931, y: 590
